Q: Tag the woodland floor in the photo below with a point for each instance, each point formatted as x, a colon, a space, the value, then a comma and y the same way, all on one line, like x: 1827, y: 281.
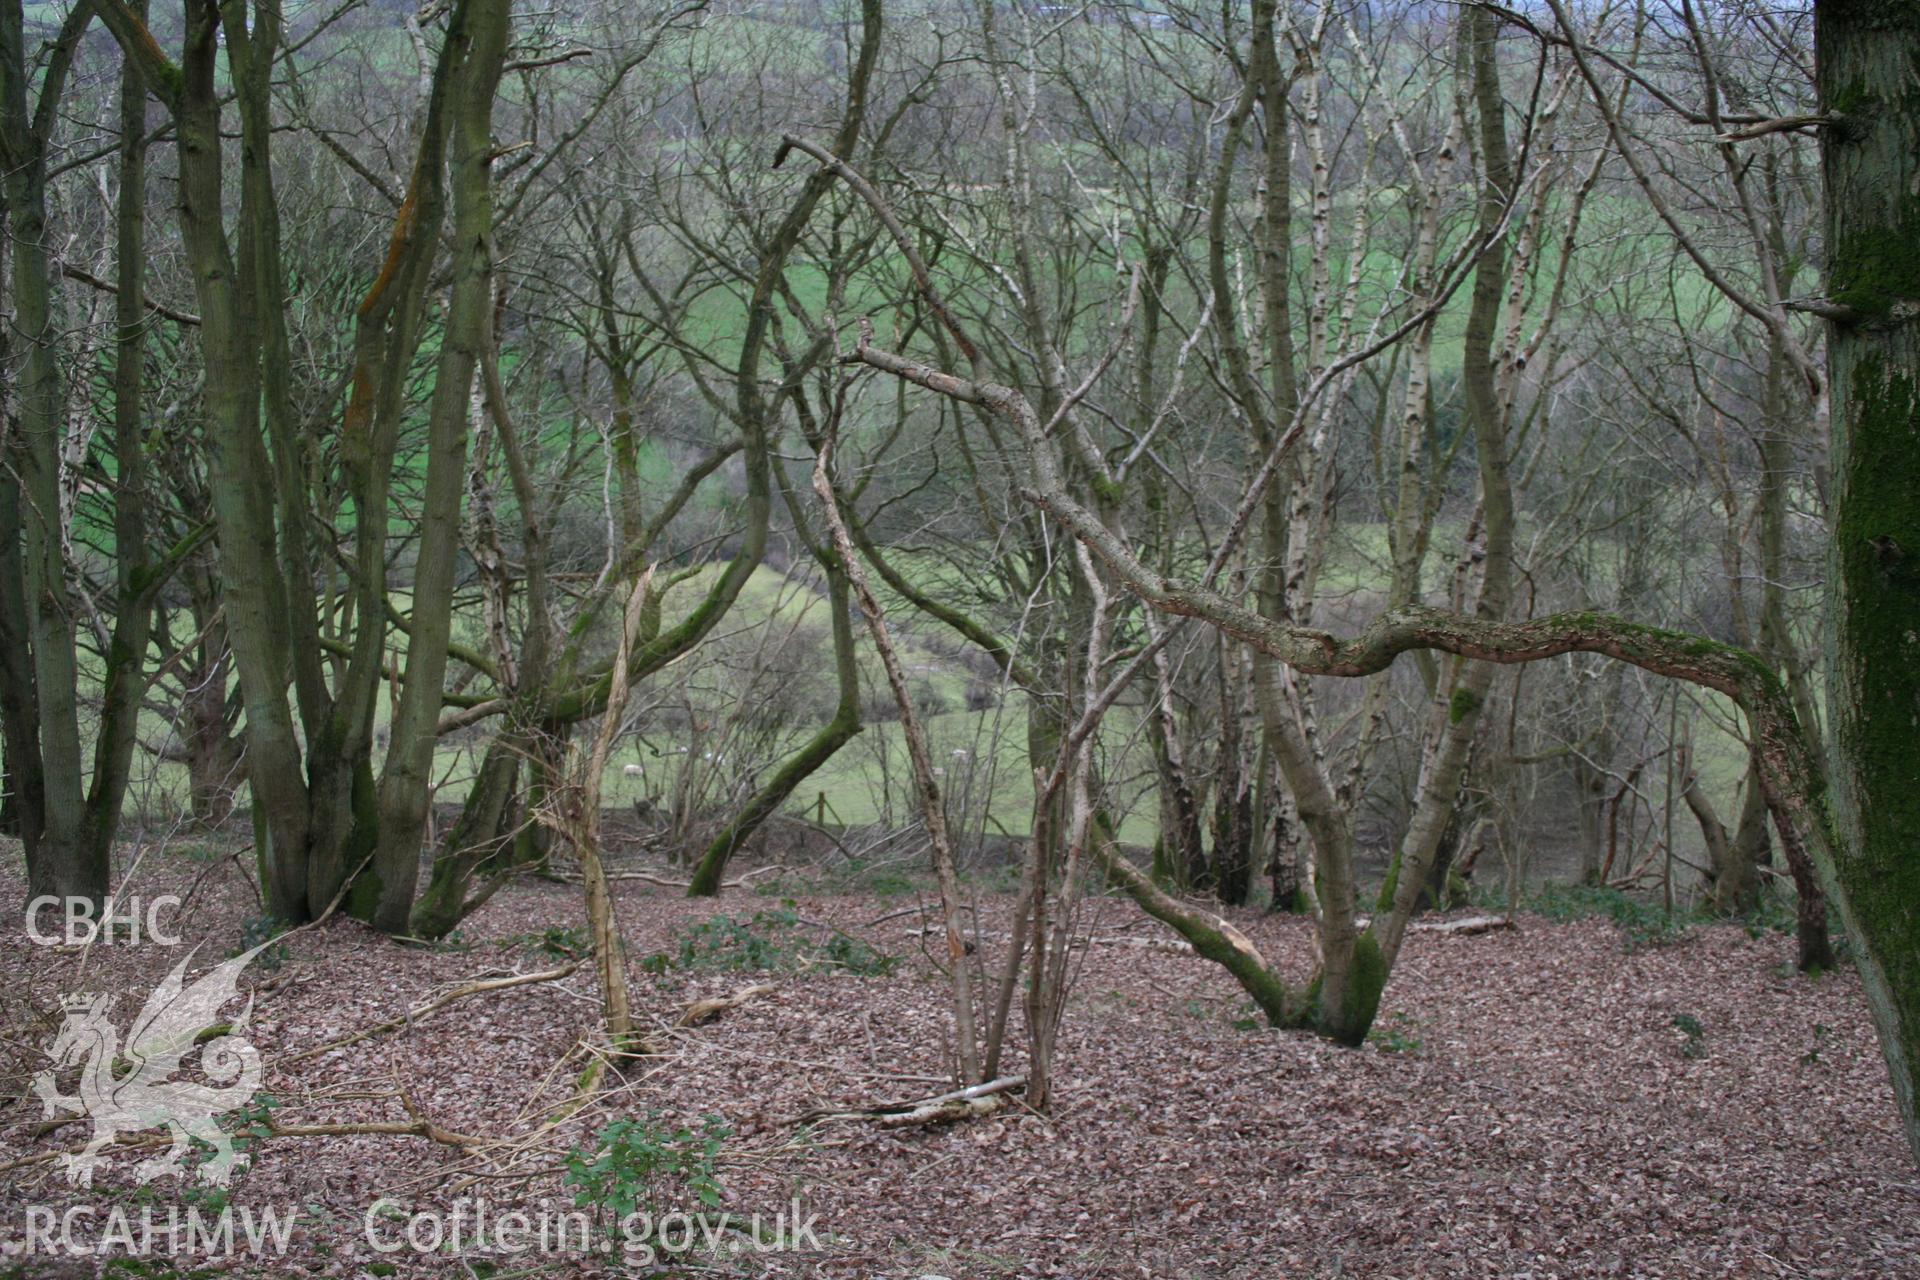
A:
x: 1528, y: 1107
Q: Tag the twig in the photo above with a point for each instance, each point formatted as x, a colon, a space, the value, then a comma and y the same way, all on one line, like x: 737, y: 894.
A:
x: 72, y: 272
x: 918, y: 909
x: 531, y: 64
x: 439, y: 1002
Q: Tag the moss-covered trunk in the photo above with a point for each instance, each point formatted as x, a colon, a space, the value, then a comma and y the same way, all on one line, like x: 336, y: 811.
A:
x: 1868, y: 55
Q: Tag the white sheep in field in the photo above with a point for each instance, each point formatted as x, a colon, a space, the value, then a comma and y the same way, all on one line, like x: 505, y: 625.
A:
x: 633, y: 771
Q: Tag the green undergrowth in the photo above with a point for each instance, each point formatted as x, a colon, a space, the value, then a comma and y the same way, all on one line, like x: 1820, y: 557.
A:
x: 1641, y: 924
x: 1397, y: 1033
x: 643, y: 1164
x: 1646, y: 923
x: 769, y: 940
x: 557, y: 942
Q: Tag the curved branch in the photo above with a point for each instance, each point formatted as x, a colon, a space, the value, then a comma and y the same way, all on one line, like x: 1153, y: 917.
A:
x: 1789, y: 762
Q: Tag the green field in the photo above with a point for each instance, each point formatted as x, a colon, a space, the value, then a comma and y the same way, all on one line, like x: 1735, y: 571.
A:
x: 703, y: 705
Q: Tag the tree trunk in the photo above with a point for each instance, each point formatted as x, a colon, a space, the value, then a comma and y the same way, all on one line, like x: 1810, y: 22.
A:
x: 1751, y: 848
x: 482, y: 840
x: 19, y: 708
x: 1733, y: 857
x: 1867, y: 52
x: 125, y: 682
x: 1810, y: 904
x: 216, y: 761
x: 480, y: 31
x: 1231, y: 869
x: 60, y: 861
x: 1287, y: 890
x: 1182, y: 854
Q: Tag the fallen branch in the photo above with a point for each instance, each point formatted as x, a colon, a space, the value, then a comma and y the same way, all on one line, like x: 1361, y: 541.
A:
x: 418, y: 1126
x: 1464, y: 927
x: 707, y: 1010
x: 921, y: 909
x: 961, y: 1104
x: 1166, y: 946
x: 438, y: 1002
x: 121, y: 1142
